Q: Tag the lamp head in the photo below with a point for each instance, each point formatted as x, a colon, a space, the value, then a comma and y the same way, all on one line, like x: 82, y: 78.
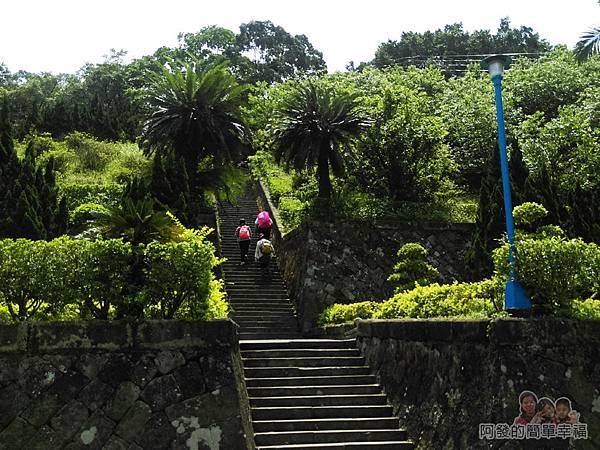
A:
x: 495, y: 64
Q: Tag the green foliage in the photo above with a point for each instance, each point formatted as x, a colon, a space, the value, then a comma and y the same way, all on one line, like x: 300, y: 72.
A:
x: 529, y: 214
x: 428, y: 47
x: 403, y: 155
x: 293, y: 211
x: 138, y: 222
x: 101, y: 99
x: 586, y: 309
x: 553, y: 270
x: 412, y: 268
x: 460, y: 300
x: 473, y: 300
x: 313, y: 127
x: 195, y: 113
x: 179, y: 274
x: 29, y: 203
x: 77, y: 192
x: 68, y: 278
x: 545, y: 84
x: 85, y: 214
x: 339, y: 313
x: 469, y: 114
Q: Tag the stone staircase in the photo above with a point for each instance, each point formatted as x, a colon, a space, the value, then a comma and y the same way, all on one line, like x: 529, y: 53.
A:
x: 304, y: 393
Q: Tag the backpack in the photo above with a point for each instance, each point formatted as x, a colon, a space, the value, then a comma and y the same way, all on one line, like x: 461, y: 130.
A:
x: 264, y: 221
x: 266, y: 248
x: 244, y: 232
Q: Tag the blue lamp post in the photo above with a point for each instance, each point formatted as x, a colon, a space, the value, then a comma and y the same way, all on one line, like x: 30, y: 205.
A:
x: 516, y: 300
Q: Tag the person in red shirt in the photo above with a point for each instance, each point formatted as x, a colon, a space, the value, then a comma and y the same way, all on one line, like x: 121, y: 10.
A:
x: 243, y: 235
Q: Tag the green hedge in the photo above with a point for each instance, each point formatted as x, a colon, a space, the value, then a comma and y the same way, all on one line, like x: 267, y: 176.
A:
x: 68, y: 278
x: 554, y: 270
x: 466, y: 300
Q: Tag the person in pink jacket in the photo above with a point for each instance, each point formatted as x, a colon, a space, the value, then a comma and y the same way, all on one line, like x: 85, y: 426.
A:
x: 263, y: 224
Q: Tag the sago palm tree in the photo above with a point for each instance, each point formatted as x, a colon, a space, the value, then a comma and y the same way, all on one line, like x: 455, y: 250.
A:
x: 137, y: 222
x: 195, y: 113
x: 589, y: 43
x: 313, y: 127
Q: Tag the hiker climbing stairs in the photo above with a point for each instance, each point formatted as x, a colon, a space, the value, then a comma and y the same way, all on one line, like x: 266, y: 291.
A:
x: 260, y: 301
x: 304, y: 393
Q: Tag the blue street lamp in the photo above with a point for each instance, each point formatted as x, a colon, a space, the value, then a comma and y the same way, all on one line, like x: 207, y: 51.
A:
x: 515, y: 300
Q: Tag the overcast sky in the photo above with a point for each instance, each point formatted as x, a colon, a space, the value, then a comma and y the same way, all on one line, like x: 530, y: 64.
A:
x: 62, y: 35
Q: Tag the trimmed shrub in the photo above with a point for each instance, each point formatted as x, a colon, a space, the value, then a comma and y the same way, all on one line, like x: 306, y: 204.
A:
x: 338, y: 313
x: 553, y: 270
x: 465, y: 300
x: 178, y: 273
x: 443, y: 300
x: 586, y: 309
x: 412, y: 268
x: 529, y: 214
x: 70, y: 278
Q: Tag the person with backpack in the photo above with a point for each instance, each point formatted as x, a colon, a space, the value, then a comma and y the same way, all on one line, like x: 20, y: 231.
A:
x: 263, y: 224
x: 264, y: 251
x: 243, y: 235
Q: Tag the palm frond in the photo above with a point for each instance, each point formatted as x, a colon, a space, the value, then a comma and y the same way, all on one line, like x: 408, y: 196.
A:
x: 589, y: 43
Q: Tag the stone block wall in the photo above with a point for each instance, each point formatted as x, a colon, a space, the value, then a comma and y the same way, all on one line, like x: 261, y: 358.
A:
x: 326, y: 263
x: 122, y: 385
x: 446, y: 377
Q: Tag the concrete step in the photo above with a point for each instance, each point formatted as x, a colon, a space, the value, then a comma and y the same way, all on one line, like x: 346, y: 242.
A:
x: 300, y: 344
x: 244, y: 321
x: 279, y: 372
x: 341, y: 361
x: 319, y: 412
x: 257, y: 314
x: 266, y: 330
x: 370, y: 423
x: 268, y: 314
x: 328, y: 436
x: 290, y: 391
x: 390, y: 445
x: 301, y: 353
x: 267, y: 336
x: 261, y: 293
x: 310, y: 381
x: 258, y: 301
x: 256, y: 306
x: 320, y: 400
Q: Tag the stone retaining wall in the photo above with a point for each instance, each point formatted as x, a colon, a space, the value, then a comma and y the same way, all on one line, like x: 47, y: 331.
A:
x: 445, y: 377
x: 347, y: 262
x: 122, y: 385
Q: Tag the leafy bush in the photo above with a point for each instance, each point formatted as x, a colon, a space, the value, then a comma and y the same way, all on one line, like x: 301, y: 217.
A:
x: 77, y: 192
x: 443, y: 300
x: 586, y: 309
x: 81, y: 278
x: 528, y: 214
x: 553, y: 270
x: 86, y: 213
x: 292, y: 212
x: 92, y: 155
x: 179, y: 273
x: 412, y: 268
x: 465, y: 300
x: 339, y: 313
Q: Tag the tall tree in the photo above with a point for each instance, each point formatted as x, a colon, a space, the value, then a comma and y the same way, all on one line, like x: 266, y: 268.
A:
x: 195, y: 113
x: 276, y: 55
x: 442, y: 45
x: 29, y: 205
x: 313, y: 127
